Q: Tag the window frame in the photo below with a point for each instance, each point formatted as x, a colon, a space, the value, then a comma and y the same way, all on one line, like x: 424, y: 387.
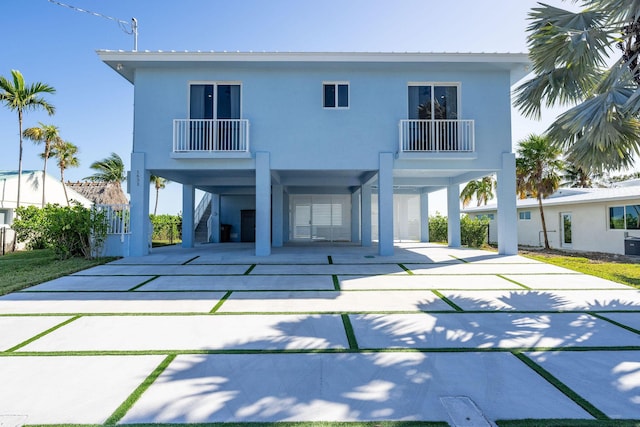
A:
x: 215, y: 84
x: 624, y: 217
x: 526, y: 217
x: 336, y: 84
x: 433, y: 84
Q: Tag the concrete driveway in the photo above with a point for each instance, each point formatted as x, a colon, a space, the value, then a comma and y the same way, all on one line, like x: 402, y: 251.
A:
x: 320, y: 333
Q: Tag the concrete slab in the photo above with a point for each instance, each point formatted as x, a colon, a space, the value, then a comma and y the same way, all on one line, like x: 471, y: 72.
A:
x: 359, y: 269
x: 274, y: 332
x: 565, y: 281
x: 70, y: 390
x: 464, y: 412
x: 12, y: 420
x: 91, y: 283
x: 345, y: 387
x: 546, y: 300
x: 331, y: 301
x: 425, y: 282
x: 487, y: 268
x: 109, y: 302
x: 629, y: 319
x: 159, y: 270
x: 610, y: 380
x: 490, y: 330
x: 239, y: 283
x: 17, y: 329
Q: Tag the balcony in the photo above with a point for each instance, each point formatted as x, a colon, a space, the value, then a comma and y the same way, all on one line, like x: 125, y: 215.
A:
x: 437, y: 136
x: 210, y: 136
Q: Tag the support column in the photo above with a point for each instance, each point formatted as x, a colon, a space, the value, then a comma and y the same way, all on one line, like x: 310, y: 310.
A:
x: 424, y: 217
x: 453, y: 215
x: 277, y: 222
x: 355, y: 216
x: 215, y: 219
x: 365, y: 215
x: 385, y: 205
x: 263, y: 204
x: 138, y: 184
x: 507, y: 210
x: 188, y: 208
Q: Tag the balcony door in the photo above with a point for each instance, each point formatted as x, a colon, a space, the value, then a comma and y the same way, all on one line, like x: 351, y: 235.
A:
x: 434, y: 108
x: 214, y: 110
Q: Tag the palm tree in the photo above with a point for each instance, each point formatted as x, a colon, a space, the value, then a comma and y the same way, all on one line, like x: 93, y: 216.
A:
x: 47, y: 134
x: 159, y: 183
x: 481, y: 189
x: 110, y: 169
x: 577, y: 177
x: 569, y: 52
x: 65, y: 152
x: 20, y: 97
x: 537, y: 172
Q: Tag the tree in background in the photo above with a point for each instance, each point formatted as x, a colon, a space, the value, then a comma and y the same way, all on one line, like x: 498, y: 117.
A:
x: 569, y: 52
x: 110, y: 169
x: 481, y: 189
x: 65, y: 152
x: 538, y: 170
x: 47, y: 135
x: 159, y: 184
x: 20, y: 97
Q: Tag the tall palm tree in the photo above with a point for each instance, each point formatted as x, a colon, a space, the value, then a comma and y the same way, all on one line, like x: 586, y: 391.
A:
x: 47, y: 134
x: 65, y: 152
x: 538, y: 168
x: 481, y: 189
x: 110, y: 169
x: 159, y: 183
x: 570, y: 53
x: 20, y: 97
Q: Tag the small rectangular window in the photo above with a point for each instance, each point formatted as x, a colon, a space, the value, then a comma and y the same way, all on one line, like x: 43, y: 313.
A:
x: 335, y: 95
x: 616, y: 218
x: 632, y: 217
x: 524, y: 215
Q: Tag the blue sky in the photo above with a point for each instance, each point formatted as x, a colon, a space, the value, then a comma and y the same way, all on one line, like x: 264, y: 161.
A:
x: 56, y: 45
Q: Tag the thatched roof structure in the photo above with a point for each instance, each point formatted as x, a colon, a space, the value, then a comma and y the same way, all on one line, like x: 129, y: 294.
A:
x: 101, y: 193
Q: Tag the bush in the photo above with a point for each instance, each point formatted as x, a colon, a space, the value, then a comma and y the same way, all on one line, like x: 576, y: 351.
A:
x: 473, y: 232
x: 71, y: 231
x: 166, y: 227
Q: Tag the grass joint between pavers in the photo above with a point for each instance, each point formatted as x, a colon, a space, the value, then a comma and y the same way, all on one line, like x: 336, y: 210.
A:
x: 249, y: 270
x: 330, y: 259
x: 42, y: 334
x: 351, y: 336
x: 514, y: 282
x: 219, y: 304
x: 409, y: 272
x: 192, y: 259
x: 143, y: 283
x: 455, y: 306
x: 336, y: 282
x: 613, y: 322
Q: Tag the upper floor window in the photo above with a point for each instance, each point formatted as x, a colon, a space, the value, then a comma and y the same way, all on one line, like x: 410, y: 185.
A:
x: 335, y: 95
x: 524, y: 215
x: 433, y: 102
x: 214, y: 101
x: 624, y: 217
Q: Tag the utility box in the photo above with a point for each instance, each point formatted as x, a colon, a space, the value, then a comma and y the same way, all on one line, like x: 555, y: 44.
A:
x: 632, y: 246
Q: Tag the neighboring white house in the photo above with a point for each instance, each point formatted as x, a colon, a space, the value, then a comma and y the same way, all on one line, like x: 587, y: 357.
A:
x: 298, y: 146
x: 581, y: 219
x: 30, y: 194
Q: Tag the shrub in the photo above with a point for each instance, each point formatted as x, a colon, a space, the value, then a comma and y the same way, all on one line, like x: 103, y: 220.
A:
x: 166, y: 227
x: 438, y: 228
x: 473, y: 232
x: 71, y: 231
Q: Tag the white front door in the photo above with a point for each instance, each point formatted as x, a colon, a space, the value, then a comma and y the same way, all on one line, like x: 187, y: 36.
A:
x: 565, y: 230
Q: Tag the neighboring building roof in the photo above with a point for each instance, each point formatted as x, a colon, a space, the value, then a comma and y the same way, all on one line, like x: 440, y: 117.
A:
x: 125, y: 62
x: 565, y: 196
x: 14, y: 174
x: 101, y: 193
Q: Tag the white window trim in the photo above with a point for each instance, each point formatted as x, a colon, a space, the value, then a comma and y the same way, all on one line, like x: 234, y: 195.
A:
x: 524, y: 219
x: 336, y: 83
x: 458, y: 85
x: 215, y: 84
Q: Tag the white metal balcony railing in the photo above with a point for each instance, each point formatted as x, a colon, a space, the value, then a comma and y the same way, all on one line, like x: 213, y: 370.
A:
x: 437, y: 136
x: 210, y: 135
x: 117, y: 217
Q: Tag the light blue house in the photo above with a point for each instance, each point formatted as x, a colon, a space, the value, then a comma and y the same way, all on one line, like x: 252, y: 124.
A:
x: 296, y: 146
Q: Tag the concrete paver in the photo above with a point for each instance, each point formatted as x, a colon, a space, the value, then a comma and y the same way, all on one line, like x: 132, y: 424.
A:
x: 629, y: 319
x: 329, y: 269
x: 98, y: 283
x: 565, y: 281
x: 425, y: 282
x: 238, y: 283
x: 487, y: 268
x: 16, y: 330
x: 135, y: 270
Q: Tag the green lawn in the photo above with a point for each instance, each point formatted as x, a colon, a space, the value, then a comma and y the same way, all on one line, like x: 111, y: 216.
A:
x: 27, y: 268
x: 617, y: 271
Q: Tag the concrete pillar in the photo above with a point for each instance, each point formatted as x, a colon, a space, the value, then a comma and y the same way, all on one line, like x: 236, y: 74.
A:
x: 507, y: 211
x: 453, y: 215
x: 277, y: 223
x: 365, y: 215
x: 424, y: 217
x: 355, y: 216
x: 385, y: 205
x: 263, y: 204
x: 138, y: 185
x: 188, y: 208
x: 215, y: 219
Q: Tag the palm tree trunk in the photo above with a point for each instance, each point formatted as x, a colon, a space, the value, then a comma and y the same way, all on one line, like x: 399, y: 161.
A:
x: 19, y: 158
x: 544, y: 224
x: 44, y: 170
x: 155, y: 209
x: 64, y: 187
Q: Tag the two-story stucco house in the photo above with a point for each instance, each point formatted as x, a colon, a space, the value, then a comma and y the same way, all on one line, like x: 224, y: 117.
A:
x: 295, y: 146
